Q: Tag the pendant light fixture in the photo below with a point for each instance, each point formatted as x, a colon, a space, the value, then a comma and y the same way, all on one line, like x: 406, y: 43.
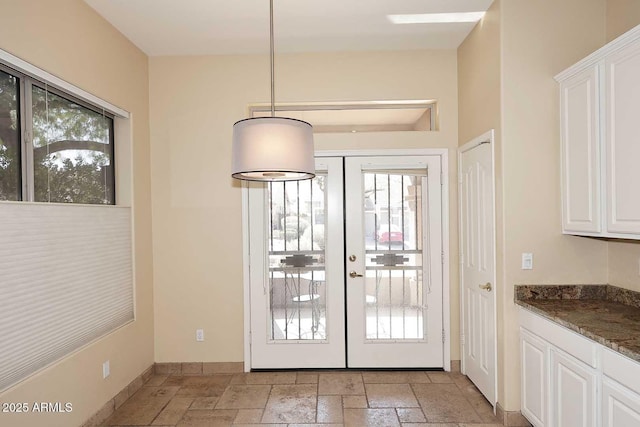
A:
x: 272, y: 148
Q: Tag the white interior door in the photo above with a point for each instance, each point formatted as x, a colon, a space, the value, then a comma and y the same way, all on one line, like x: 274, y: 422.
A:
x: 394, y: 265
x: 477, y: 248
x: 297, y: 271
x: 393, y: 315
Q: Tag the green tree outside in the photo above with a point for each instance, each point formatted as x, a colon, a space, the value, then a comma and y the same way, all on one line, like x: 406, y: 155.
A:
x: 71, y: 148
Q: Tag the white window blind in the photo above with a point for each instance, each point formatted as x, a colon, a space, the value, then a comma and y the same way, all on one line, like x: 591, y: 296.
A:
x: 66, y: 279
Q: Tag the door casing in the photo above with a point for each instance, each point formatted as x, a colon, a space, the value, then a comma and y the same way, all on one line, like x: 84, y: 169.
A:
x: 443, y: 153
x: 488, y: 136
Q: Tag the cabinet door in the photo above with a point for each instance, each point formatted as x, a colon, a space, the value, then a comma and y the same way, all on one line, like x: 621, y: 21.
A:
x: 622, y: 101
x: 620, y: 406
x: 573, y: 392
x: 534, y: 371
x: 580, y: 156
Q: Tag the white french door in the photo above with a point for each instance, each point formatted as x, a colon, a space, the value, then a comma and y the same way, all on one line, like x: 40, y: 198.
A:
x: 394, y: 240
x: 380, y: 304
x: 297, y: 271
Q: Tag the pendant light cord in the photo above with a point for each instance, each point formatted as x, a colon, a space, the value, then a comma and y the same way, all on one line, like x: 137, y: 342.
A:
x: 273, y: 96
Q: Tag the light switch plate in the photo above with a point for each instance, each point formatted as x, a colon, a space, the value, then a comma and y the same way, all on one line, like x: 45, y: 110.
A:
x: 199, y: 334
x: 527, y: 261
x: 106, y: 369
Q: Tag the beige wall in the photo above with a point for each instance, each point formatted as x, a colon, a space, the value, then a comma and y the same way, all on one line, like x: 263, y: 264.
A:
x: 532, y: 53
x: 622, y: 15
x: 506, y: 69
x: 197, y: 206
x: 479, y: 78
x: 528, y: 146
x: 479, y: 110
x: 68, y: 39
x: 624, y: 264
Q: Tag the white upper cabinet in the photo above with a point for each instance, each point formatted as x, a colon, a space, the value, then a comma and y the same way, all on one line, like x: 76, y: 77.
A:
x: 600, y: 137
x: 622, y: 141
x: 579, y: 108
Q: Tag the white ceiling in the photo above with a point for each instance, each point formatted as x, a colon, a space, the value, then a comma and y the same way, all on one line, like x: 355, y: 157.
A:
x: 200, y: 27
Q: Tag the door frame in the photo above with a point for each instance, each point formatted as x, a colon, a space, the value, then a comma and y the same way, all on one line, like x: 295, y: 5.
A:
x: 443, y: 153
x: 487, y: 136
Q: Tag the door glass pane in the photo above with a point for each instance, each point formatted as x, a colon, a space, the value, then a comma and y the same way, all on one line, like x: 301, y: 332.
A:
x: 297, y: 293
x: 395, y: 300
x: 72, y: 151
x: 10, y: 174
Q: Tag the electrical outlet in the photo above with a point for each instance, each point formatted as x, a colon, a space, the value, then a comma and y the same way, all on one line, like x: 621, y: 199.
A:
x: 527, y: 261
x: 106, y: 370
x: 199, y: 334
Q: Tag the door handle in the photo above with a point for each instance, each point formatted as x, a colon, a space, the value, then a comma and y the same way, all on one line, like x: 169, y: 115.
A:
x: 353, y: 274
x: 486, y: 287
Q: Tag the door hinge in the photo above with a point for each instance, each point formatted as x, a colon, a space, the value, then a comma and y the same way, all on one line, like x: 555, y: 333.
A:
x: 442, y: 253
x: 444, y: 336
x: 462, y: 339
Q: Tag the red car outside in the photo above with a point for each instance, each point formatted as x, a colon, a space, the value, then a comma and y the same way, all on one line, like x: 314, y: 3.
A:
x: 389, y: 234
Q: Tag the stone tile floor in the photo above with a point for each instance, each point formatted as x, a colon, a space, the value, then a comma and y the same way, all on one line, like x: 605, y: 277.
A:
x: 296, y: 399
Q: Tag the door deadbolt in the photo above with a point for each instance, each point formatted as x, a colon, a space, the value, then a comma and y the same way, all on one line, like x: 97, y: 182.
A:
x: 352, y: 258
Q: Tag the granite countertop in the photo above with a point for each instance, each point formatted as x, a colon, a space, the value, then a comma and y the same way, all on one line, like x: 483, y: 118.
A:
x: 606, y: 314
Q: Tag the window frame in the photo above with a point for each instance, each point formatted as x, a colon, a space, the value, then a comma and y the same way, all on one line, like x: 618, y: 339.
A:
x: 24, y: 98
x: 21, y: 123
x: 430, y: 105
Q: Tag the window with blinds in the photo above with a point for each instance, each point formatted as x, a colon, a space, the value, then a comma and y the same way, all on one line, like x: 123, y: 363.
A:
x: 66, y: 266
x: 65, y: 280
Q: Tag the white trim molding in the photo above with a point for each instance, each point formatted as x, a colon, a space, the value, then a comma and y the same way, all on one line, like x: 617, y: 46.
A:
x: 38, y: 73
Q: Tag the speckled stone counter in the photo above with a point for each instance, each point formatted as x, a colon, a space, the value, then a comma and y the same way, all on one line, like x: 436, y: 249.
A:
x: 603, y: 313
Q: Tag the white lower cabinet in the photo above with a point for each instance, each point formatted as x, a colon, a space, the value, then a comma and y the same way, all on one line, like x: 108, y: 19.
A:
x: 620, y: 406
x: 620, y: 399
x: 572, y: 391
x: 568, y: 380
x: 533, y: 357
